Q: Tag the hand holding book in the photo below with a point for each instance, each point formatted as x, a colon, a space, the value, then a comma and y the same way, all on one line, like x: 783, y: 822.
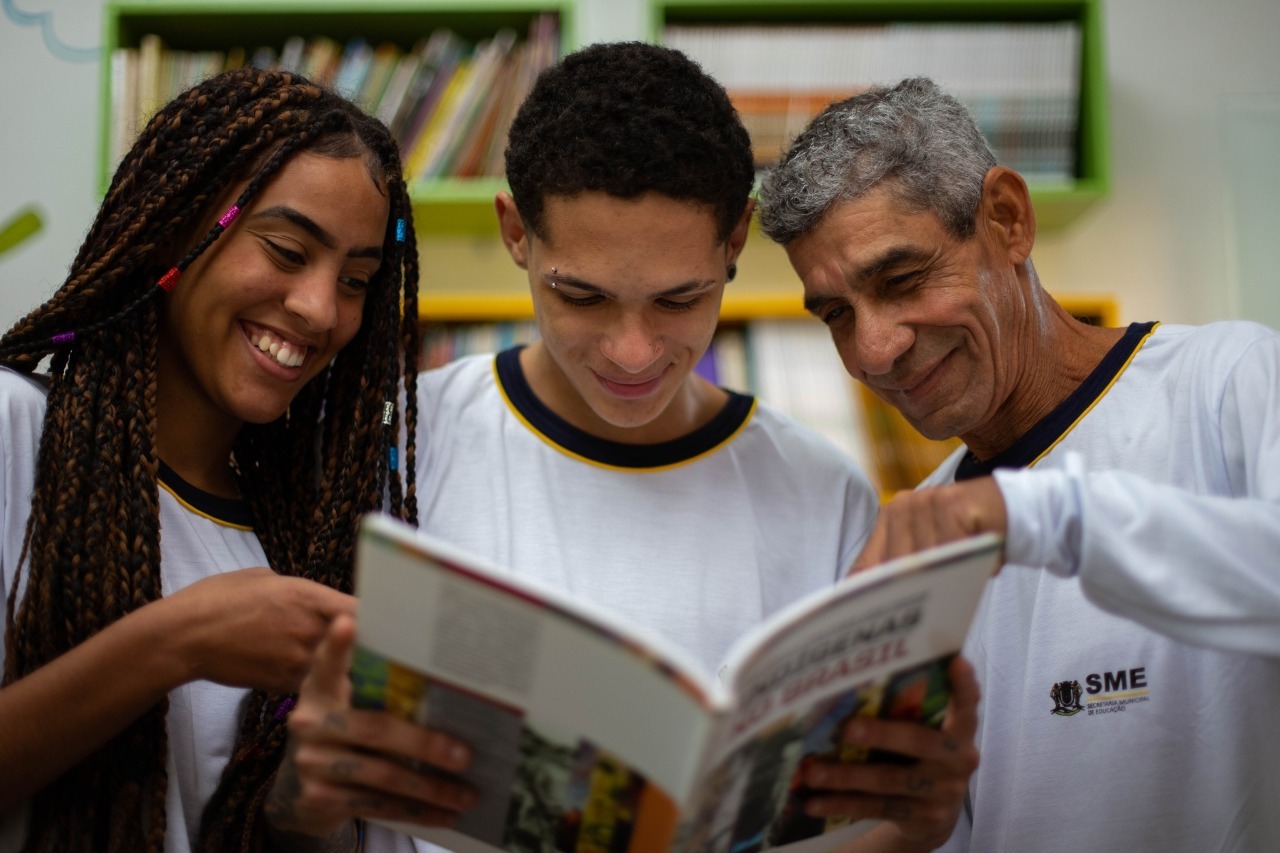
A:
x: 586, y: 728
x: 344, y: 763
x: 919, y: 800
x: 915, y: 520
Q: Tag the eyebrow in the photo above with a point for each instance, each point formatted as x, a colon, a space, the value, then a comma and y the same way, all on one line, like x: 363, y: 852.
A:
x: 815, y: 304
x: 306, y: 223
x: 888, y: 259
x: 679, y: 290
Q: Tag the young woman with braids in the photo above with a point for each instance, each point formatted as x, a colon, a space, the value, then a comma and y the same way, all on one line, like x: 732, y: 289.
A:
x: 224, y: 362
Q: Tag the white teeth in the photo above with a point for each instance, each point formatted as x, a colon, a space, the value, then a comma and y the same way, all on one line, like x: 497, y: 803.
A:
x: 282, y: 353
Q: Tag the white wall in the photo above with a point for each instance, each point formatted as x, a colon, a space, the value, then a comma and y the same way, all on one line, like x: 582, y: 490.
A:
x: 1164, y: 242
x: 49, y: 146
x: 1160, y: 241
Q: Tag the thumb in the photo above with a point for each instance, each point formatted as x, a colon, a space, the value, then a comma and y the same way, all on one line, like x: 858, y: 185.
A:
x: 327, y: 681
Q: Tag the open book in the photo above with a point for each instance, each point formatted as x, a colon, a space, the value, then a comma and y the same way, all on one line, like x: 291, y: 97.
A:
x: 588, y: 734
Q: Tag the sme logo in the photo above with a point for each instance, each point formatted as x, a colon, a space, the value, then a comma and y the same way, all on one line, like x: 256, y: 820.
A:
x: 1102, y: 693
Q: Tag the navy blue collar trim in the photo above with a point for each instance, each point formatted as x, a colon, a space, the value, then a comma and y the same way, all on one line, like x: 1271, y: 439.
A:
x: 560, y: 432
x: 1052, y: 426
x: 232, y: 511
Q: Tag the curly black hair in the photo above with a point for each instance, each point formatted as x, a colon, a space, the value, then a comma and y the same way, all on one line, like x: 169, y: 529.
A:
x: 628, y: 118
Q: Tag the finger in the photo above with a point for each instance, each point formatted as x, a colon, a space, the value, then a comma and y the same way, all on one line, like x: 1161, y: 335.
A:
x: 873, y: 551
x: 926, y: 522
x: 328, y: 805
x: 987, y: 508
x: 884, y: 543
x: 375, y: 805
x: 857, y: 807
x: 381, y: 732
x: 329, y: 602
x: 898, y: 517
x: 327, y: 682
x: 832, y: 777
x: 961, y: 723
x: 906, y: 738
x: 339, y: 768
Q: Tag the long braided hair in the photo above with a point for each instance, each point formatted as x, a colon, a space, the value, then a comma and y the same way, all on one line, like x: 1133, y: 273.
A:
x: 92, y: 543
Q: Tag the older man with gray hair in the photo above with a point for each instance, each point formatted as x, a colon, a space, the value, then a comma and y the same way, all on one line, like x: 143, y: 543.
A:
x: 1129, y: 653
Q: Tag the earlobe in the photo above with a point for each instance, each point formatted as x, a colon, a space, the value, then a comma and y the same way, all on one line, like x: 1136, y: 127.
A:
x: 1006, y: 210
x: 511, y: 227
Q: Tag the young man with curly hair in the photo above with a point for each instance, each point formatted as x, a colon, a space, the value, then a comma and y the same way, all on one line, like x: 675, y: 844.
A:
x: 595, y: 459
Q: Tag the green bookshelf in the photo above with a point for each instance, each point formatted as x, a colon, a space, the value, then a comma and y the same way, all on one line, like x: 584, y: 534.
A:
x: 467, y: 276
x: 1057, y: 204
x: 444, y: 205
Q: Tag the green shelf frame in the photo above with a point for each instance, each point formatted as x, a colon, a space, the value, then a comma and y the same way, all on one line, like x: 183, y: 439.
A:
x: 465, y: 206
x: 1056, y: 206
x: 444, y: 206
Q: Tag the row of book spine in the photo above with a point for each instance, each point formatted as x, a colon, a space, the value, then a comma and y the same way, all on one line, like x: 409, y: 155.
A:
x: 447, y: 101
x: 1021, y: 80
x: 789, y: 364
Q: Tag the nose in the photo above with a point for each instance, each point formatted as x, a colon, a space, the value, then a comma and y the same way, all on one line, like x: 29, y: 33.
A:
x: 313, y: 298
x: 878, y: 342
x: 632, y: 344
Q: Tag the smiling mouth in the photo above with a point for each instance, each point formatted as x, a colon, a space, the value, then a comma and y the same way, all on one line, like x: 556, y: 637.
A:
x: 912, y: 388
x: 631, y: 389
x: 281, y: 351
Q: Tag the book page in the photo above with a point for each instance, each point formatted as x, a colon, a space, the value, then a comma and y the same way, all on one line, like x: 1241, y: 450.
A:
x: 577, y: 729
x: 878, y: 646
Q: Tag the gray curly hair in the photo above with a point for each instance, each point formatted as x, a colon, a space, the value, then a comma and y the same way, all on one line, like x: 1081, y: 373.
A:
x: 922, y: 143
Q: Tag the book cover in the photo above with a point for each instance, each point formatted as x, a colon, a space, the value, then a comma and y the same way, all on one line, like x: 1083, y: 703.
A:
x: 589, y: 731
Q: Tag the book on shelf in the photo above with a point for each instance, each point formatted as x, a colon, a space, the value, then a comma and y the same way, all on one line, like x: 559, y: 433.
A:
x: 321, y: 59
x: 446, y: 342
x: 399, y: 83
x: 448, y: 102
x: 468, y: 158
x: 796, y: 369
x: 588, y: 733
x: 442, y: 50
x: 1020, y: 79
x: 463, y: 104
x: 538, y: 53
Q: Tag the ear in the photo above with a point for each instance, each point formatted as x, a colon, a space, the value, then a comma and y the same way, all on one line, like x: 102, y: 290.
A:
x: 1006, y: 212
x: 511, y: 226
x: 738, y: 237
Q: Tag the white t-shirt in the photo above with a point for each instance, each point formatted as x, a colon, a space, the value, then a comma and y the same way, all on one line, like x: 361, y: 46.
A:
x: 201, y: 535
x: 697, y: 539
x: 1129, y: 653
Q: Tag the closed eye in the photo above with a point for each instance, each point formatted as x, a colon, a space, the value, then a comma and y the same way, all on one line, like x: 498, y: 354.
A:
x: 580, y: 301
x: 674, y: 305
x: 901, y: 279
x: 834, y: 313
x: 288, y: 255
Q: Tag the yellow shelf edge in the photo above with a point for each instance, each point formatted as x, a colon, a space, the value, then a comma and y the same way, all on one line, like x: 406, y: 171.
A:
x: 459, y: 308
